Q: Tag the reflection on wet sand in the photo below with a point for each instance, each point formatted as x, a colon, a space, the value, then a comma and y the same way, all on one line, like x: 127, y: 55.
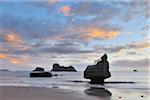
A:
x: 99, y: 92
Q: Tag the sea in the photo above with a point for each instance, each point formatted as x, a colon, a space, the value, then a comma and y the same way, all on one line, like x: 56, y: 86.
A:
x: 129, y: 85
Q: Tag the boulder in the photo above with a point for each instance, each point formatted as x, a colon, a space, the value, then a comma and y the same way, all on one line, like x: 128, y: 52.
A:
x: 57, y: 67
x: 39, y: 72
x: 97, y: 73
x: 38, y: 69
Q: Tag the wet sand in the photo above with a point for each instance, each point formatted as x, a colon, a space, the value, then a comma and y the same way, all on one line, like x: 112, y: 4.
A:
x: 40, y: 93
x: 55, y: 93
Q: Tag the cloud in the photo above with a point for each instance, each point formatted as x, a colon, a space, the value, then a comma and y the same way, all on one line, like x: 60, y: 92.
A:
x: 101, y: 9
x: 95, y: 33
x: 10, y: 59
x: 86, y: 33
x: 13, y: 40
x: 131, y: 9
x: 50, y: 2
x: 138, y: 45
x: 136, y: 8
x: 27, y: 20
x: 65, y: 10
x: 2, y: 49
x: 2, y: 56
x: 110, y: 49
x: 132, y: 63
x: 65, y: 47
x: 115, y: 49
x: 37, y: 29
x: 34, y: 26
x: 132, y: 53
x: 14, y: 60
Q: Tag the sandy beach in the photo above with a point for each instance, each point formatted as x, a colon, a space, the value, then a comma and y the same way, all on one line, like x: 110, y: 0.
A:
x: 42, y: 93
x: 39, y: 93
x: 71, y: 86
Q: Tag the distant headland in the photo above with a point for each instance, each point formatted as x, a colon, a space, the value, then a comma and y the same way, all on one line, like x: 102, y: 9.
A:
x: 57, y: 67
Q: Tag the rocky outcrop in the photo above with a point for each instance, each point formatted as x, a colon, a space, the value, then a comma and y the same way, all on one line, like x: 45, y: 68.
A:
x: 39, y: 72
x: 97, y: 73
x: 57, y: 67
x: 38, y: 69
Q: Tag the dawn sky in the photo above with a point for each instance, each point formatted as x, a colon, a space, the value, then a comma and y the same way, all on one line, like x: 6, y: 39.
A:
x: 74, y: 32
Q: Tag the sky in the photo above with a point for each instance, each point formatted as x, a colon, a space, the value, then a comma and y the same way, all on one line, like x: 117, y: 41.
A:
x: 74, y: 32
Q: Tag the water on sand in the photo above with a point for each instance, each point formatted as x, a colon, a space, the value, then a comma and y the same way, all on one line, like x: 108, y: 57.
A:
x: 123, y: 84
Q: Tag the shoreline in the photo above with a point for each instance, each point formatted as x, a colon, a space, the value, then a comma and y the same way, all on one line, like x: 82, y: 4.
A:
x: 56, y: 93
x: 40, y: 93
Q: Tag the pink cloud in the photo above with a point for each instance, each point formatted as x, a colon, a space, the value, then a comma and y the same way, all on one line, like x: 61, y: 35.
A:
x: 65, y: 10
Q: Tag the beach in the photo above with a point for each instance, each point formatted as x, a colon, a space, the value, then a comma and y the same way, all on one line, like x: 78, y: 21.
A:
x: 42, y: 93
x: 39, y: 93
x: 16, y: 85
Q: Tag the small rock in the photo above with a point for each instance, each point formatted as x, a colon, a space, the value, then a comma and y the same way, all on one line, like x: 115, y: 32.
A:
x: 54, y: 86
x: 119, y: 97
x: 135, y: 70
x: 142, y: 96
x: 39, y: 72
x: 55, y: 75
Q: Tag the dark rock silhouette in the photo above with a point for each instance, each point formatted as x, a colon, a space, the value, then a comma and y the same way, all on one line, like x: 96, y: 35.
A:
x: 135, y: 70
x: 97, y: 73
x: 39, y: 72
x: 38, y: 69
x: 57, y: 67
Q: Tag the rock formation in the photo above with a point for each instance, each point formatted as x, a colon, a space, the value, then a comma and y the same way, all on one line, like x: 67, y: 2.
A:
x: 57, y: 67
x: 39, y: 72
x: 38, y: 69
x: 97, y: 73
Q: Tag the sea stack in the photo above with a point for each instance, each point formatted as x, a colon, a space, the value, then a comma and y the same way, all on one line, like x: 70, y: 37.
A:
x: 39, y: 72
x: 99, y: 72
x: 57, y: 67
